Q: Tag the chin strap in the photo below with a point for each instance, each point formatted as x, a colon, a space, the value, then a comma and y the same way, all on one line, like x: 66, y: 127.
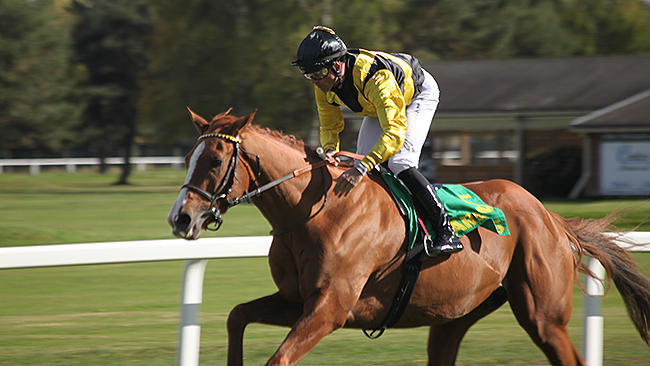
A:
x: 337, y: 73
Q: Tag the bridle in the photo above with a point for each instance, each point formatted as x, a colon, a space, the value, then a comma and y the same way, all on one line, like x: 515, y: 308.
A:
x: 225, y: 187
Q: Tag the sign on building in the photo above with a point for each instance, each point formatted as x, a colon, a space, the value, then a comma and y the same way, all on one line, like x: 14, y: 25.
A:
x: 625, y: 165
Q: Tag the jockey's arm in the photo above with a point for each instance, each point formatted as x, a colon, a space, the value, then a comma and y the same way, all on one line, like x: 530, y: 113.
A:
x: 331, y: 123
x: 384, y: 93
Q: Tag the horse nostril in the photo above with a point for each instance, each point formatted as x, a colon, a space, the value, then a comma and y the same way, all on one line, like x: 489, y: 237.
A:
x: 182, y: 220
x: 181, y: 225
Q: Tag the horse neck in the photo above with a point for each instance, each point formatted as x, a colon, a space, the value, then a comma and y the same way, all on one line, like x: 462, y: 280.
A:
x: 277, y: 159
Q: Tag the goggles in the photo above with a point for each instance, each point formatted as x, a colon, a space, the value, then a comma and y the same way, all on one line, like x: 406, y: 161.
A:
x: 320, y: 74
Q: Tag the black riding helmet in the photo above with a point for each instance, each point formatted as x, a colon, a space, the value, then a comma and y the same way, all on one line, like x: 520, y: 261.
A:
x: 321, y: 48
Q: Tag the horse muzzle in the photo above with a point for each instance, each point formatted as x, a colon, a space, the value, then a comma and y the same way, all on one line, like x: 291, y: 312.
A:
x: 184, y: 226
x: 187, y: 226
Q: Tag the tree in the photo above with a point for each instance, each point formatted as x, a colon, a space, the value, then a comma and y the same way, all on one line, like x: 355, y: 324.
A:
x: 211, y: 55
x: 609, y: 27
x: 38, y: 109
x: 485, y: 29
x: 111, y: 40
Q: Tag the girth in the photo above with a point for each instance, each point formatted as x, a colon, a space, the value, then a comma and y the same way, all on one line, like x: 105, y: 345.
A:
x: 410, y: 273
x: 410, y: 267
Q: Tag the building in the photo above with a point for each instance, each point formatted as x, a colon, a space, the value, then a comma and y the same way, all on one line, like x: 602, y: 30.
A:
x: 496, y: 114
x: 616, y: 149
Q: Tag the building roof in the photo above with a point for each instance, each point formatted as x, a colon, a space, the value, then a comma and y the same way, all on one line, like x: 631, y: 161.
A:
x: 630, y: 115
x: 579, y: 84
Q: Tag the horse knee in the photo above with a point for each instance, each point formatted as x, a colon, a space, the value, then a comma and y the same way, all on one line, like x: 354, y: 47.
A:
x: 237, y: 319
x: 339, y: 321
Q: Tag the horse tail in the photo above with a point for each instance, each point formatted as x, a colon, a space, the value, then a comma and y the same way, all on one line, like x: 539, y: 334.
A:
x: 588, y: 238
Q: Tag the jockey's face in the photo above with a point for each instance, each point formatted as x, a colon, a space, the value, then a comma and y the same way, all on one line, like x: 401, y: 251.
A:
x: 327, y: 83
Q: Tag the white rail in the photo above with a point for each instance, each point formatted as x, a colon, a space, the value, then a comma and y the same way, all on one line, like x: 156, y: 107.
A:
x: 71, y: 164
x: 197, y: 252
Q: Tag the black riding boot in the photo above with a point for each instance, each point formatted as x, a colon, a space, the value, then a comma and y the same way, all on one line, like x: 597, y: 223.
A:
x: 445, y: 240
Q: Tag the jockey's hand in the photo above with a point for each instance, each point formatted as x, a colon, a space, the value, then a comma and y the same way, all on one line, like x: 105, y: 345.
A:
x: 348, y: 180
x: 330, y: 156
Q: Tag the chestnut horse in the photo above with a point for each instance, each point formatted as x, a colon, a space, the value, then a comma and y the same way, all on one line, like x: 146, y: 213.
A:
x: 336, y: 260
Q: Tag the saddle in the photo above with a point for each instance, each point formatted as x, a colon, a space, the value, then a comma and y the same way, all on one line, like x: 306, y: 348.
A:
x: 466, y: 211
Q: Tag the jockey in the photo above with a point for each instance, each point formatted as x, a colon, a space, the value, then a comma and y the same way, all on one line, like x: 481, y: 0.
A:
x: 397, y: 99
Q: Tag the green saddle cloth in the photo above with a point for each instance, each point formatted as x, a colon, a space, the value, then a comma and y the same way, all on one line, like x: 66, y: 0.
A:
x: 466, y: 211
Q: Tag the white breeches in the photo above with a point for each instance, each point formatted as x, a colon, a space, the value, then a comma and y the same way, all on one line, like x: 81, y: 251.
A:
x: 419, y: 115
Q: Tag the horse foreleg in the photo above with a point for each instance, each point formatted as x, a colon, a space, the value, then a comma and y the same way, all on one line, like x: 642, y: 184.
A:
x: 444, y: 339
x: 271, y: 309
x: 322, y: 315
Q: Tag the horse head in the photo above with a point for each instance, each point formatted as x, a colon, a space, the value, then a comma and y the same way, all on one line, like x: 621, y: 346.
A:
x: 212, y: 167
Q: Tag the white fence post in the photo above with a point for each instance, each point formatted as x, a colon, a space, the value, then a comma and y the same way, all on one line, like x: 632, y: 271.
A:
x: 189, y: 339
x: 593, y: 319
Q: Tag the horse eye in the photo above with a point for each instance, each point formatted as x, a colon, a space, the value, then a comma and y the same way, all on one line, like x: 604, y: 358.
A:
x: 216, y: 163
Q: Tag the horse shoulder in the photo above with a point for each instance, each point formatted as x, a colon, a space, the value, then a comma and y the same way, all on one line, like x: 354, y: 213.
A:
x: 284, y: 270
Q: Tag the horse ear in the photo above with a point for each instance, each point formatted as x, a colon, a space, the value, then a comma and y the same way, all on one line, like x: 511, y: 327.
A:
x: 243, y: 122
x: 249, y: 118
x: 199, y: 122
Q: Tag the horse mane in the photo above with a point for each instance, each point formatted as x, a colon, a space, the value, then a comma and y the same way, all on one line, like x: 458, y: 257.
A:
x: 225, y: 120
x: 289, y: 140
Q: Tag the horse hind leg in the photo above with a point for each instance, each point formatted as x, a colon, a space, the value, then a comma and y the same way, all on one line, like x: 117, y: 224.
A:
x: 553, y: 339
x: 444, y: 339
x: 541, y: 296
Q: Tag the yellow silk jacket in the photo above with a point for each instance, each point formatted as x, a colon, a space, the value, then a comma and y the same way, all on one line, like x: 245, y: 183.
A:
x: 375, y: 84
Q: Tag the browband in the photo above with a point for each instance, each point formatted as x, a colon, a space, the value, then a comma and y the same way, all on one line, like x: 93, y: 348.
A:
x: 221, y: 135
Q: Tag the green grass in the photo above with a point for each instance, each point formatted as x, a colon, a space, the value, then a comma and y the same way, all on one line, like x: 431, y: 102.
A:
x: 127, y: 314
x: 634, y: 213
x: 55, y: 208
